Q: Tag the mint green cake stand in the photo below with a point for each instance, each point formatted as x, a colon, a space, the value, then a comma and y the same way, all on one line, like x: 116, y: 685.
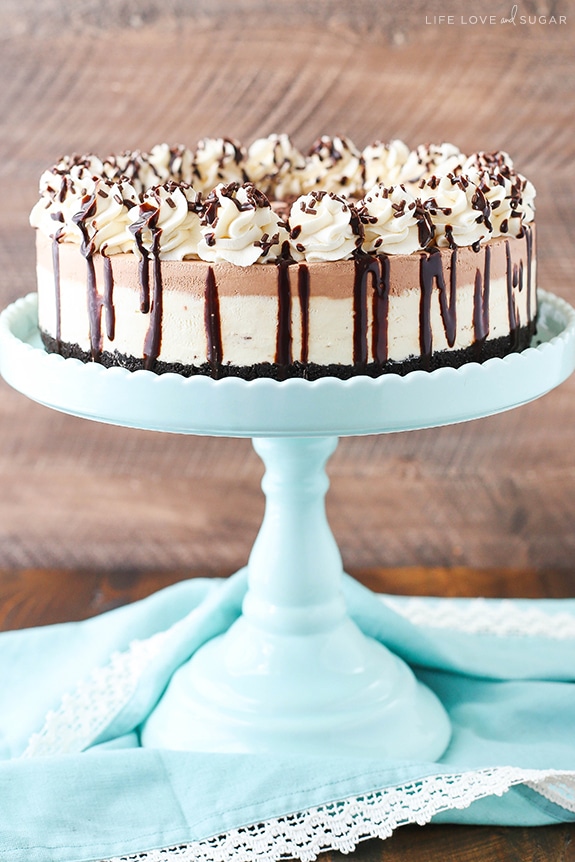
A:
x: 293, y: 674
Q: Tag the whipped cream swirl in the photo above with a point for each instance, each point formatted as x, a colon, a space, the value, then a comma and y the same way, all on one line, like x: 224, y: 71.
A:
x: 217, y: 160
x: 490, y: 162
x: 323, y: 226
x: 384, y: 163
x: 333, y: 165
x: 105, y: 216
x: 511, y: 198
x: 459, y: 211
x: 62, y: 189
x: 275, y: 166
x: 167, y: 222
x: 85, y: 205
x: 71, y: 172
x: 240, y: 227
x: 394, y: 221
x: 429, y: 160
x: 165, y: 164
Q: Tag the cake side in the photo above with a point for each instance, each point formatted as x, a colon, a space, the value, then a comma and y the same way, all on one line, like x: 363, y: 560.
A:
x: 371, y: 313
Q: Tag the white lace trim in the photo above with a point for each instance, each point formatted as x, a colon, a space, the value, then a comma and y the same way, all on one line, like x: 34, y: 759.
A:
x: 343, y: 824
x: 502, y: 618
x: 558, y: 788
x: 86, y: 711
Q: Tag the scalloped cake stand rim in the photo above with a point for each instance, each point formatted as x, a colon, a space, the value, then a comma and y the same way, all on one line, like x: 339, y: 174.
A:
x: 233, y: 407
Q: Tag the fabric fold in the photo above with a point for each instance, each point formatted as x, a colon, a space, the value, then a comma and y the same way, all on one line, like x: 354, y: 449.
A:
x: 75, y: 785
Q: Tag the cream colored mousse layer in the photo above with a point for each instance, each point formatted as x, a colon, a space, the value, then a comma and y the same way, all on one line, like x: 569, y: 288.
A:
x: 244, y: 308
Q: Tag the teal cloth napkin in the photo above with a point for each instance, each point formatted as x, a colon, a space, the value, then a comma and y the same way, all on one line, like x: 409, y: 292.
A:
x: 75, y: 785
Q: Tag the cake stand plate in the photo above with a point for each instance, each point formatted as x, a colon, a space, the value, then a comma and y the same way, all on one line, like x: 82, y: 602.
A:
x: 265, y: 408
x: 293, y: 674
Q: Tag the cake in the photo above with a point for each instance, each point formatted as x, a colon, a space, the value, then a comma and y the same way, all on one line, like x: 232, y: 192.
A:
x: 261, y: 261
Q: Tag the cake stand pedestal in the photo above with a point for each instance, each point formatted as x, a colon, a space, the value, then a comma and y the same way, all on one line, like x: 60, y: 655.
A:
x: 293, y: 674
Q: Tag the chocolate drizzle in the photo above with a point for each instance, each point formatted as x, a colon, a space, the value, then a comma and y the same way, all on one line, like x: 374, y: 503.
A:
x: 94, y: 310
x: 304, y: 296
x: 481, y: 302
x: 529, y: 244
x: 212, y: 323
x: 430, y: 274
x: 110, y: 313
x: 94, y: 299
x: 144, y: 273
x: 449, y: 309
x: 511, y: 304
x: 366, y: 266
x: 57, y: 291
x: 283, y: 332
x: 148, y: 219
x: 381, y: 311
x: 153, y: 340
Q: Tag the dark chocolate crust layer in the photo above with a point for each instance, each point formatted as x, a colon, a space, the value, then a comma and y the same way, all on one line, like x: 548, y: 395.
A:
x: 479, y: 352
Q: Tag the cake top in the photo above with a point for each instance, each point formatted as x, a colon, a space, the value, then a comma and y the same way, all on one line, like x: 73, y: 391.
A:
x: 256, y: 205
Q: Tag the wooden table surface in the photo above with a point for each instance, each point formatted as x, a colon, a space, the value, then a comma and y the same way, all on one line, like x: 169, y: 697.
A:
x: 92, y: 516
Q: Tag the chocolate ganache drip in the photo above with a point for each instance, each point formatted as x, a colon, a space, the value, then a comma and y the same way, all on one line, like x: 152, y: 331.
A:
x: 57, y: 290
x: 430, y: 274
x: 481, y: 302
x: 110, y: 313
x: 147, y: 221
x: 511, y: 303
x: 304, y: 297
x: 366, y: 269
x: 529, y: 244
x: 212, y: 322
x: 89, y: 208
x: 153, y: 340
x: 381, y: 311
x: 284, y: 333
x: 146, y: 226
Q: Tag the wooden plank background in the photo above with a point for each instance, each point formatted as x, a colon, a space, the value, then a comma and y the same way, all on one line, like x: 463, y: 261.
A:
x: 104, y: 76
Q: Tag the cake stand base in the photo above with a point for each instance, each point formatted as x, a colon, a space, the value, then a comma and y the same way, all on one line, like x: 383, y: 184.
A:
x: 334, y: 693
x: 294, y: 674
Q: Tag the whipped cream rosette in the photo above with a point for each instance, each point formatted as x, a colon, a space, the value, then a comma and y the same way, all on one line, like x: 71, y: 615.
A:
x: 105, y: 216
x: 394, y: 221
x: 164, y: 163
x: 217, y: 160
x: 126, y: 165
x: 240, y: 227
x: 78, y: 172
x: 489, y: 162
x: 384, y: 163
x: 62, y: 190
x: 333, y: 165
x: 459, y: 210
x: 167, y: 222
x: 323, y: 226
x: 510, y: 195
x: 275, y: 166
x: 429, y: 160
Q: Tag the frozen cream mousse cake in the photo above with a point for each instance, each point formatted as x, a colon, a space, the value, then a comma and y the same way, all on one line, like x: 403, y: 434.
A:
x: 262, y: 261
